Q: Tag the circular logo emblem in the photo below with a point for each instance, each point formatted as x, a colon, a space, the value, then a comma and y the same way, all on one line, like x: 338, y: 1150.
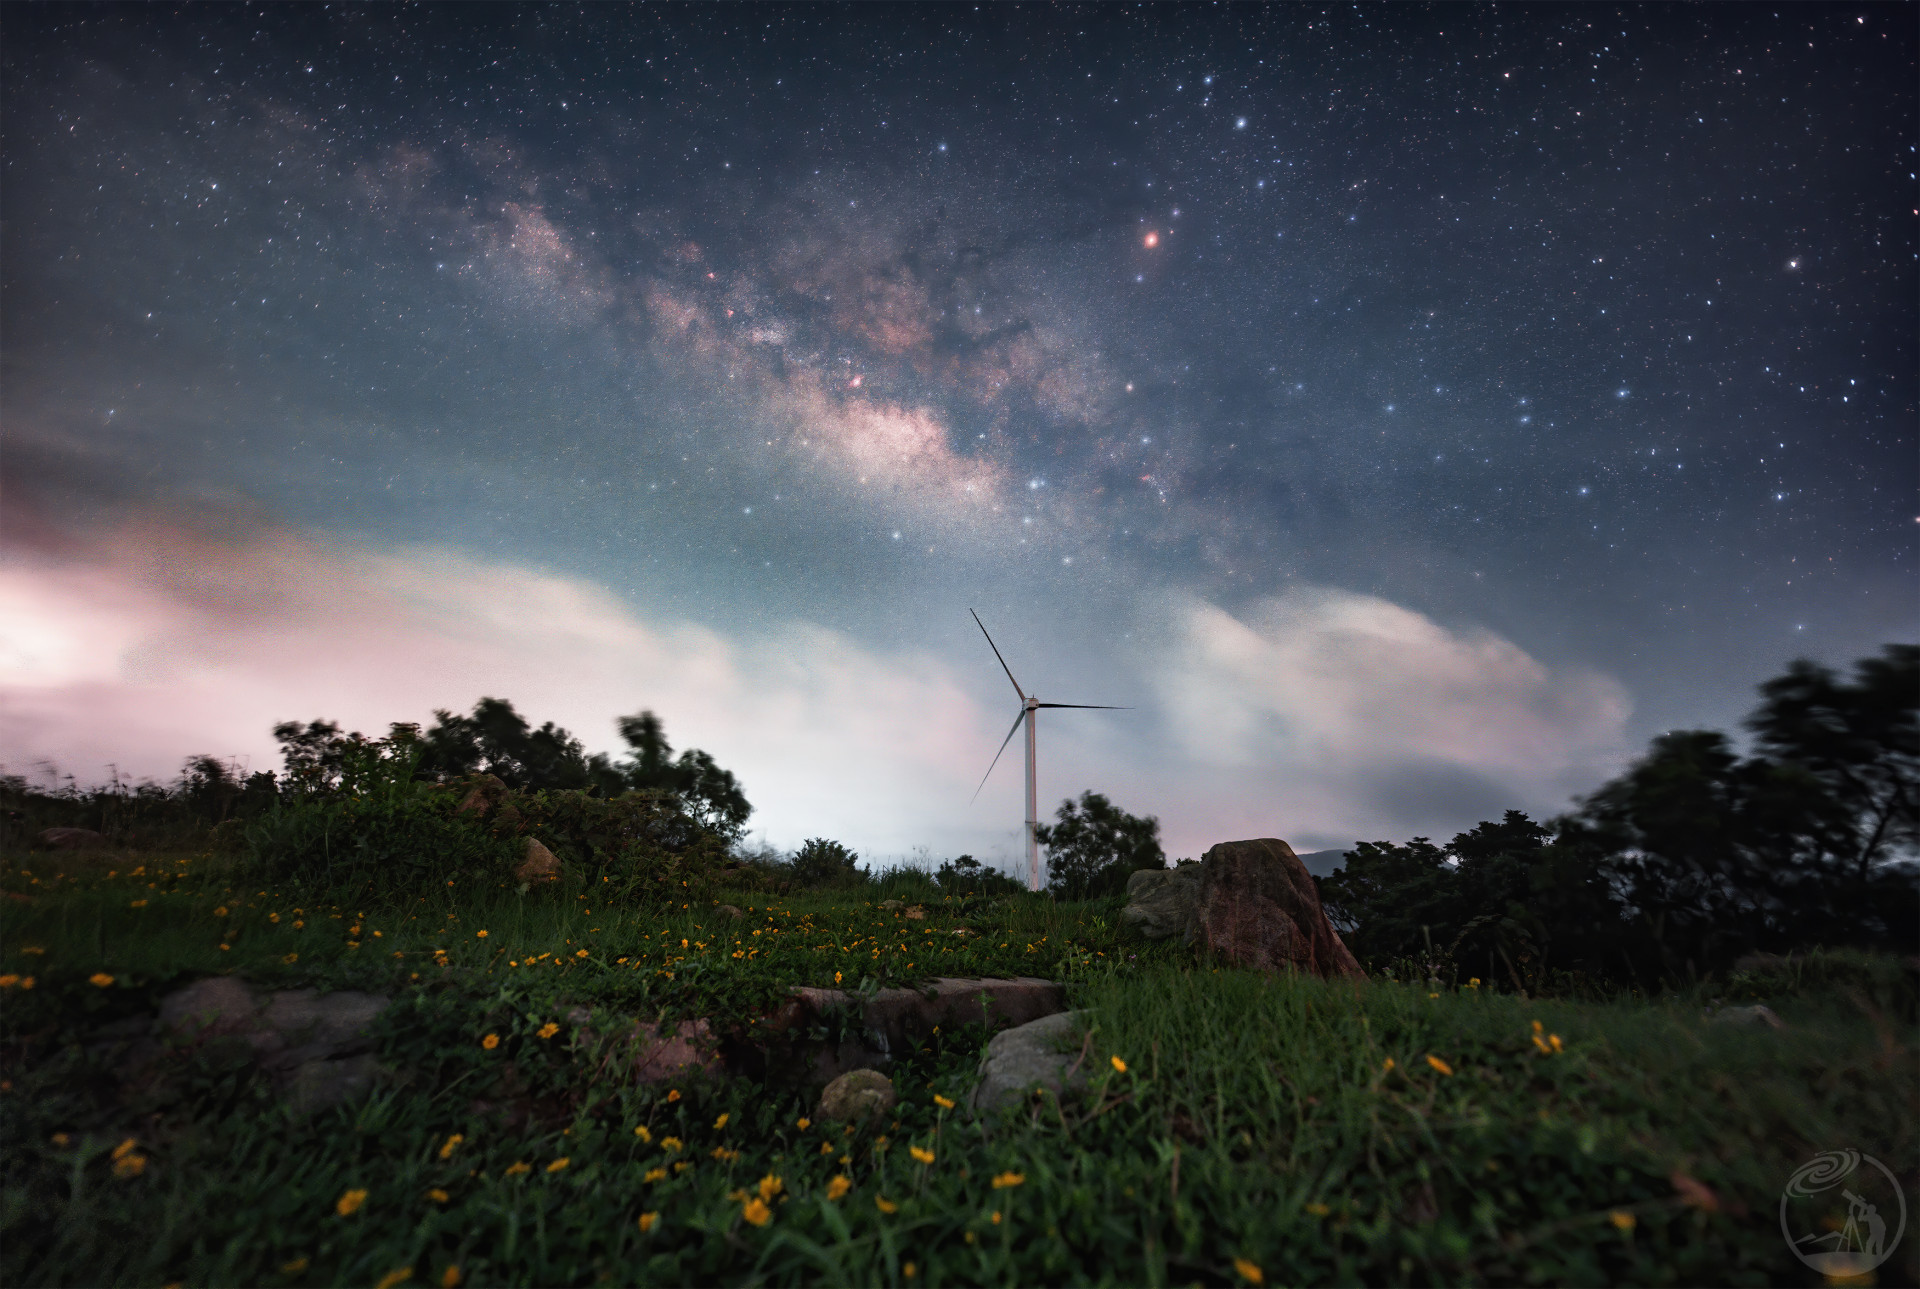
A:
x: 1843, y: 1213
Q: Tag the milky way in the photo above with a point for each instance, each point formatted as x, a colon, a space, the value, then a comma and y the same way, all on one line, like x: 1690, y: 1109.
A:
x: 1407, y: 411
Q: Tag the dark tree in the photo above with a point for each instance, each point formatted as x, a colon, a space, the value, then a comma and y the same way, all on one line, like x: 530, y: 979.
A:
x: 1094, y: 845
x: 497, y: 740
x: 708, y: 792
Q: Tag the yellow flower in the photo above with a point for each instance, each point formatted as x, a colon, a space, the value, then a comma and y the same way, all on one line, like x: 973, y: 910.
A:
x: 9, y: 980
x: 640, y: 1131
x: 26, y: 982
x: 449, y: 1278
x: 924, y: 1156
x: 1439, y: 1064
x: 655, y: 1175
x: 756, y: 1212
x: 724, y: 1155
x: 805, y: 1123
x: 1622, y: 1219
x: 1003, y: 1180
x: 453, y: 1144
x: 1555, y: 1040
x: 1119, y: 1066
x: 221, y: 911
x: 721, y: 1122
x: 61, y: 1139
x: 1473, y: 983
x: 770, y: 1186
x: 294, y: 1267
x: 490, y: 1042
x: 129, y: 1165
x: 1541, y: 1043
x: 549, y: 1029
x: 479, y: 935
x: 437, y: 1195
x: 836, y: 977
x: 1538, y: 1027
x: 673, y: 1094
x: 559, y: 1165
x: 349, y: 1202
x: 839, y: 1186
x: 1318, y: 1210
x: 885, y: 1205
x: 909, y: 1271
x: 1249, y: 1271
x: 671, y: 1143
x: 141, y: 904
x: 1388, y: 1067
x: 826, y: 1147
x: 291, y: 958
x: 942, y: 1102
x: 995, y: 1215
x: 125, y: 1148
x: 648, y: 1221
x: 397, y: 1276
x: 517, y: 1167
x: 579, y: 953
x: 683, y: 1165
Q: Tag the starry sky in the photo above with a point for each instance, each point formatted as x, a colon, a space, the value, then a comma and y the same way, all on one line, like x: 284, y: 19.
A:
x: 1405, y: 412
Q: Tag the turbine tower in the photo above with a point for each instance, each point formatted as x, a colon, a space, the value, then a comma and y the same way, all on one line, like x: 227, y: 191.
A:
x: 1028, y: 706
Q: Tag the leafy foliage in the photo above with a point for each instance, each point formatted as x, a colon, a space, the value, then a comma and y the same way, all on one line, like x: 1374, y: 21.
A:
x: 1094, y: 845
x: 967, y: 876
x: 1691, y: 858
x: 820, y: 862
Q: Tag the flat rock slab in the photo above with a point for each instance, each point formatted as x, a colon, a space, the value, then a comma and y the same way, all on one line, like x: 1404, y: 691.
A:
x: 1044, y: 1053
x: 313, y: 1045
x: 892, y: 1019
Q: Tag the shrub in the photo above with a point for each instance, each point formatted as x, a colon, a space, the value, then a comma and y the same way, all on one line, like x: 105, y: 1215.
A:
x: 821, y: 862
x: 1095, y: 846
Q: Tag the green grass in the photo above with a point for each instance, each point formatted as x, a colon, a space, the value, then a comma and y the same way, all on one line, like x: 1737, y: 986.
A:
x: 1256, y: 1119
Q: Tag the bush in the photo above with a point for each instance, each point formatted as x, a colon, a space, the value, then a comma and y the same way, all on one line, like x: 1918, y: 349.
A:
x: 824, y: 863
x: 967, y: 876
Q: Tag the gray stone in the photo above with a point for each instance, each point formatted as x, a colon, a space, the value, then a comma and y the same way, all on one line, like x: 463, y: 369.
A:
x: 1161, y: 901
x: 855, y: 1096
x: 540, y: 865
x: 72, y: 839
x: 893, y: 1019
x: 1748, y: 1017
x: 323, y: 1083
x: 1043, y: 1053
x: 313, y: 1045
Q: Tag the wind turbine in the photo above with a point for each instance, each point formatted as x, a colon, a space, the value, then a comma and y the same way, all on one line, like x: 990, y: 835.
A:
x: 1028, y: 706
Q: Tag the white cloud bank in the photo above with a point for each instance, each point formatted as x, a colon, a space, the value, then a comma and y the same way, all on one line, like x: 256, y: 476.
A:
x: 1321, y: 718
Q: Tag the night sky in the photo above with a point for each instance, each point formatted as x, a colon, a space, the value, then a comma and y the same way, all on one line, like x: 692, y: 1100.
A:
x: 1408, y: 412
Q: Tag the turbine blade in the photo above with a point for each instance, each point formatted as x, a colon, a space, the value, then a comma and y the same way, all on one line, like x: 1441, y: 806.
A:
x: 996, y: 653
x: 996, y: 756
x: 1087, y: 707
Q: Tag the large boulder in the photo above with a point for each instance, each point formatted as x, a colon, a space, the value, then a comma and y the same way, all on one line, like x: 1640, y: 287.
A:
x: 1162, y: 901
x: 313, y: 1046
x: 72, y: 839
x: 1259, y: 908
x: 1045, y: 1053
x: 893, y: 1020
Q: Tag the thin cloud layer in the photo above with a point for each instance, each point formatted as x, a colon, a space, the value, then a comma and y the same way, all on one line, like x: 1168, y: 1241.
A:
x: 1322, y: 717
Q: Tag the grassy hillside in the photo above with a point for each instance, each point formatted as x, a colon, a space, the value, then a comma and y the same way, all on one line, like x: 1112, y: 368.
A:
x: 1238, y: 1129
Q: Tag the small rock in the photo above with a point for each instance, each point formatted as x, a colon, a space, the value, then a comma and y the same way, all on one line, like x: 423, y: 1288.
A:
x: 1746, y: 1017
x: 893, y: 1018
x: 1042, y: 1052
x: 857, y: 1095
x: 486, y: 793
x: 916, y: 913
x: 322, y: 1084
x: 890, y: 905
x: 731, y: 911
x: 540, y: 865
x: 72, y: 839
